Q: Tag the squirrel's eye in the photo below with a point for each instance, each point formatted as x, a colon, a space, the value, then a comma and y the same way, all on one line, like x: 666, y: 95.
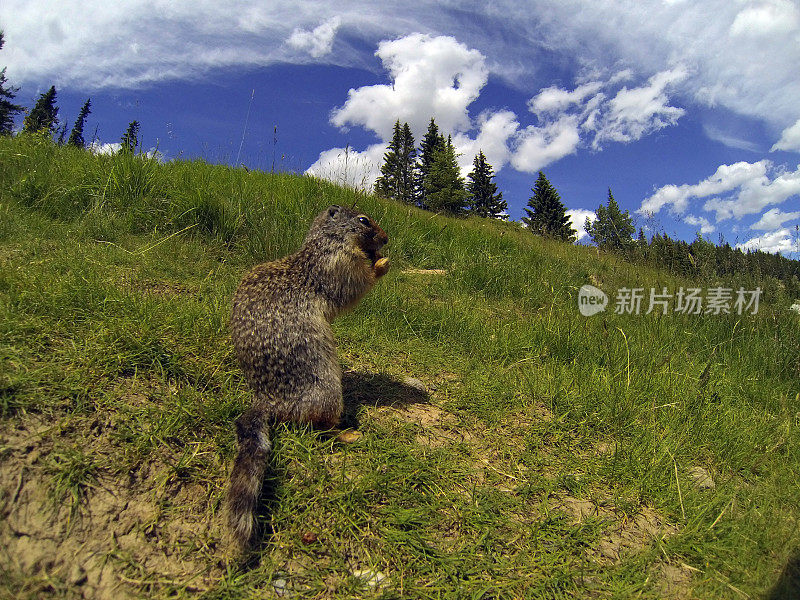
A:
x: 364, y: 221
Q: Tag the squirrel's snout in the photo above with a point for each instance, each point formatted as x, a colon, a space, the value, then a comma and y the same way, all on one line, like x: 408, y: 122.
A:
x: 380, y: 238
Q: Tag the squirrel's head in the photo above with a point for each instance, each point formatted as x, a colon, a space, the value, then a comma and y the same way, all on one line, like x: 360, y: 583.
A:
x: 339, y: 223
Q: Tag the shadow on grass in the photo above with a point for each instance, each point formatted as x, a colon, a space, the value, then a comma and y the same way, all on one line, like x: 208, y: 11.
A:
x: 788, y: 585
x: 375, y: 389
x: 359, y: 389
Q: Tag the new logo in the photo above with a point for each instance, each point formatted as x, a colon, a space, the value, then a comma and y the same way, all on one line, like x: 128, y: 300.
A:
x: 591, y: 300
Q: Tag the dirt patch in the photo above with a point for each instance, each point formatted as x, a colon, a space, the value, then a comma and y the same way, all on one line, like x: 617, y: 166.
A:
x: 437, y: 428
x: 674, y: 581
x: 624, y: 533
x: 161, y: 288
x: 424, y: 272
x: 131, y: 533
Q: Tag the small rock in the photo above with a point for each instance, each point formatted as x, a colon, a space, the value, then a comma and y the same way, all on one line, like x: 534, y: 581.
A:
x: 309, y: 537
x: 77, y: 575
x: 349, y: 436
x: 415, y: 383
x: 606, y: 448
x: 701, y: 479
x: 370, y: 577
x: 279, y: 585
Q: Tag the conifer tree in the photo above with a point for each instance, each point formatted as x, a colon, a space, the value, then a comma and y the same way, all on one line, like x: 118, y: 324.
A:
x: 44, y: 115
x: 484, y: 199
x: 443, y: 185
x: 612, y: 229
x: 408, y: 166
x: 130, y: 140
x: 387, y: 185
x: 62, y: 134
x: 398, y: 179
x: 7, y: 108
x: 431, y: 142
x: 76, y: 135
x: 546, y: 213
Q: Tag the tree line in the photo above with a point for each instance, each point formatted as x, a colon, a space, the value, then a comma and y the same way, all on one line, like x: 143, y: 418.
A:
x: 612, y: 230
x: 429, y: 177
x: 43, y: 118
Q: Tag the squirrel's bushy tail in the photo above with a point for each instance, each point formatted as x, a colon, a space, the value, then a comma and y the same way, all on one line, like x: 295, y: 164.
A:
x: 247, y: 476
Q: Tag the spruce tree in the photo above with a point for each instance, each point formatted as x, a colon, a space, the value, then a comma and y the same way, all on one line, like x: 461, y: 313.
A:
x: 408, y: 166
x: 546, y: 213
x: 387, y: 185
x: 7, y: 108
x: 398, y: 179
x: 44, y: 116
x: 62, y: 134
x: 76, y: 135
x: 612, y: 229
x: 130, y: 140
x: 443, y: 185
x: 431, y: 142
x: 484, y: 199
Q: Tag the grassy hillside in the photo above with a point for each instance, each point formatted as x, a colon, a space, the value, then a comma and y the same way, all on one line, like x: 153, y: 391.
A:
x: 511, y: 447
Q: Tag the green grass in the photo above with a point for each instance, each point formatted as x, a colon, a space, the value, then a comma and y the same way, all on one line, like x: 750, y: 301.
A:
x: 73, y: 473
x: 115, y: 280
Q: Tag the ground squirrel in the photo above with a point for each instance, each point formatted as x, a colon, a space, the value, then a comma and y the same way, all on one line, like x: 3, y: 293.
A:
x: 280, y: 327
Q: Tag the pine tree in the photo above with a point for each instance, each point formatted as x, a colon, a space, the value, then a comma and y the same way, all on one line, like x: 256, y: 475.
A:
x: 131, y: 138
x: 431, y: 142
x: 398, y: 179
x: 612, y: 229
x: 388, y: 184
x: 76, y: 135
x: 44, y: 116
x: 443, y: 185
x: 7, y: 108
x: 484, y: 199
x: 408, y: 166
x: 546, y: 213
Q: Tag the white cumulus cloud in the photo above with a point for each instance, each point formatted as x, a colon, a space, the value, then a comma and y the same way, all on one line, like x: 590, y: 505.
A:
x: 725, y: 179
x: 733, y: 191
x: 636, y: 112
x: 768, y: 18
x: 435, y: 77
x: 317, y: 42
x: 578, y: 218
x: 555, y: 99
x: 494, y: 132
x: 773, y: 219
x: 701, y: 222
x: 775, y: 241
x: 540, y: 146
x: 350, y: 168
x: 98, y: 147
x: 790, y: 139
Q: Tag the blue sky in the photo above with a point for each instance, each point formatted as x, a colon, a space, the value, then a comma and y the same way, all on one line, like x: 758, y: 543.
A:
x: 688, y: 111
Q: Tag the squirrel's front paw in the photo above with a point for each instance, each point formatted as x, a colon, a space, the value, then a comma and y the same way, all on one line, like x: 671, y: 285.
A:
x: 381, y: 267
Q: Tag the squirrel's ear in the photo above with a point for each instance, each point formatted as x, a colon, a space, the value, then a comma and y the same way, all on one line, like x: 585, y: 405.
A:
x: 333, y: 210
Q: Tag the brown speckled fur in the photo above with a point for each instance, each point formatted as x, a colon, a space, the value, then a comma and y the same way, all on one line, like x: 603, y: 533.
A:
x: 280, y: 328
